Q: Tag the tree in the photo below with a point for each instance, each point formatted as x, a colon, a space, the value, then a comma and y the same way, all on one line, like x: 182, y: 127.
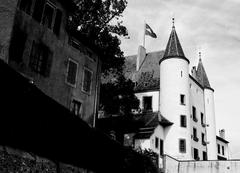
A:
x: 117, y: 96
x: 97, y: 23
x: 141, y: 161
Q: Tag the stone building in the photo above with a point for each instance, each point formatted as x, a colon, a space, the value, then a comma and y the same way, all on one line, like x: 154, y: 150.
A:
x: 177, y: 107
x: 35, y: 41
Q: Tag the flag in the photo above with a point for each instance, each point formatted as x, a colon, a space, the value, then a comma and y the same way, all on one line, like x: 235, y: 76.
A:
x: 150, y: 32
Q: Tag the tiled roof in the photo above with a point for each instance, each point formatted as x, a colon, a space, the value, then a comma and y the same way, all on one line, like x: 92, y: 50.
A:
x: 174, y: 48
x: 147, y: 78
x: 201, y: 75
x: 150, y: 121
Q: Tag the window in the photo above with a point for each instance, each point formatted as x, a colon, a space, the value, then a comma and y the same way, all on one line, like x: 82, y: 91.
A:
x: 222, y: 150
x: 203, y: 139
x: 194, y: 114
x: 147, y: 103
x: 75, y: 107
x: 38, y: 10
x: 17, y: 44
x: 202, y: 121
x: 182, y: 99
x: 219, y: 148
x: 161, y: 147
x: 87, y: 80
x: 72, y: 72
x: 204, y: 155
x: 182, y: 145
x: 58, y: 21
x: 195, y: 154
x: 40, y: 59
x: 156, y: 142
x: 195, y: 138
x: 25, y: 5
x: 47, y: 14
x: 183, y: 121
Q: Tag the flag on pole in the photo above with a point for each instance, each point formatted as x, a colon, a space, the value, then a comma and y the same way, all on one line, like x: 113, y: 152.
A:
x: 149, y: 31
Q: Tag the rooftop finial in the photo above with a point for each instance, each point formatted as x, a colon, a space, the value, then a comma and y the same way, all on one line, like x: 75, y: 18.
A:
x: 173, y: 21
x: 200, y: 56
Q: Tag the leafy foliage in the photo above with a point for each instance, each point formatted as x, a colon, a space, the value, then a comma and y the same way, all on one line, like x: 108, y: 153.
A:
x: 142, y: 161
x: 118, y: 96
x: 97, y: 23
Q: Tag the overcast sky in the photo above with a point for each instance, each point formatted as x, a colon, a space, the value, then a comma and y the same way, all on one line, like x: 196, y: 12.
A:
x: 211, y: 26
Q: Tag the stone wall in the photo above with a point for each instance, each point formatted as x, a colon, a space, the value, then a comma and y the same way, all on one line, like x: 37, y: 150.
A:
x: 213, y: 166
x: 16, y: 161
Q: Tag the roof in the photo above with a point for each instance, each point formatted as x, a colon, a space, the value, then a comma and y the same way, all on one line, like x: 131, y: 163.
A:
x: 148, y: 77
x: 150, y: 121
x: 221, y: 139
x: 201, y: 75
x: 174, y: 48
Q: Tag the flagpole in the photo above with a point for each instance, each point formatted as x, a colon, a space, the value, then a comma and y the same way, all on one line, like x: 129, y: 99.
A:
x: 144, y: 33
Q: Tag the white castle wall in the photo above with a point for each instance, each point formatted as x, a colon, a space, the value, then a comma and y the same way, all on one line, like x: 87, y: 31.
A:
x: 197, y: 100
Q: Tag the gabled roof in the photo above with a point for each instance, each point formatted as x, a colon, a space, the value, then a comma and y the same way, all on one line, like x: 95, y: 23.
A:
x: 221, y: 139
x: 174, y: 48
x: 150, y: 121
x: 201, y: 75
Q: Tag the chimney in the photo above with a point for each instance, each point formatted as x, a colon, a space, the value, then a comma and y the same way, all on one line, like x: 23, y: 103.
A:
x: 140, y: 56
x: 222, y: 133
x: 194, y: 71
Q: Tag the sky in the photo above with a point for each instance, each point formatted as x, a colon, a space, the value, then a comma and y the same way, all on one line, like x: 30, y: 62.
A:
x: 212, y: 27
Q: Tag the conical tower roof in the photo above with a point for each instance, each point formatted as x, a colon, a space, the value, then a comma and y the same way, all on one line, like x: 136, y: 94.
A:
x: 201, y: 75
x: 174, y: 48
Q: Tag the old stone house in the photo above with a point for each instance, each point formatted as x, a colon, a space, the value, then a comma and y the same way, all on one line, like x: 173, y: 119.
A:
x: 35, y: 41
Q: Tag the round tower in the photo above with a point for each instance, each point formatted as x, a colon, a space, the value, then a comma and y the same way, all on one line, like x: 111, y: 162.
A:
x: 209, y: 111
x: 211, y: 123
x: 174, y: 98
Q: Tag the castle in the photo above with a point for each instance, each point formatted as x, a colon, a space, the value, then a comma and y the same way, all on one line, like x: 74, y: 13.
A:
x: 177, y: 108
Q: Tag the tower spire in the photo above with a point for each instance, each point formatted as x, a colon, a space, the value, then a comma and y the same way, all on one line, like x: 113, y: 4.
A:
x: 173, y: 22
x: 174, y: 48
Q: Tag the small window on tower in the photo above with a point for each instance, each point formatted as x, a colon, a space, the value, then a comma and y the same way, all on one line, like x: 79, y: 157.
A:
x: 183, y: 121
x: 182, y: 99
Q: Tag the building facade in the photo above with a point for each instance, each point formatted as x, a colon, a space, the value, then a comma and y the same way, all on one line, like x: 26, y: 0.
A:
x: 35, y: 41
x: 165, y: 87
